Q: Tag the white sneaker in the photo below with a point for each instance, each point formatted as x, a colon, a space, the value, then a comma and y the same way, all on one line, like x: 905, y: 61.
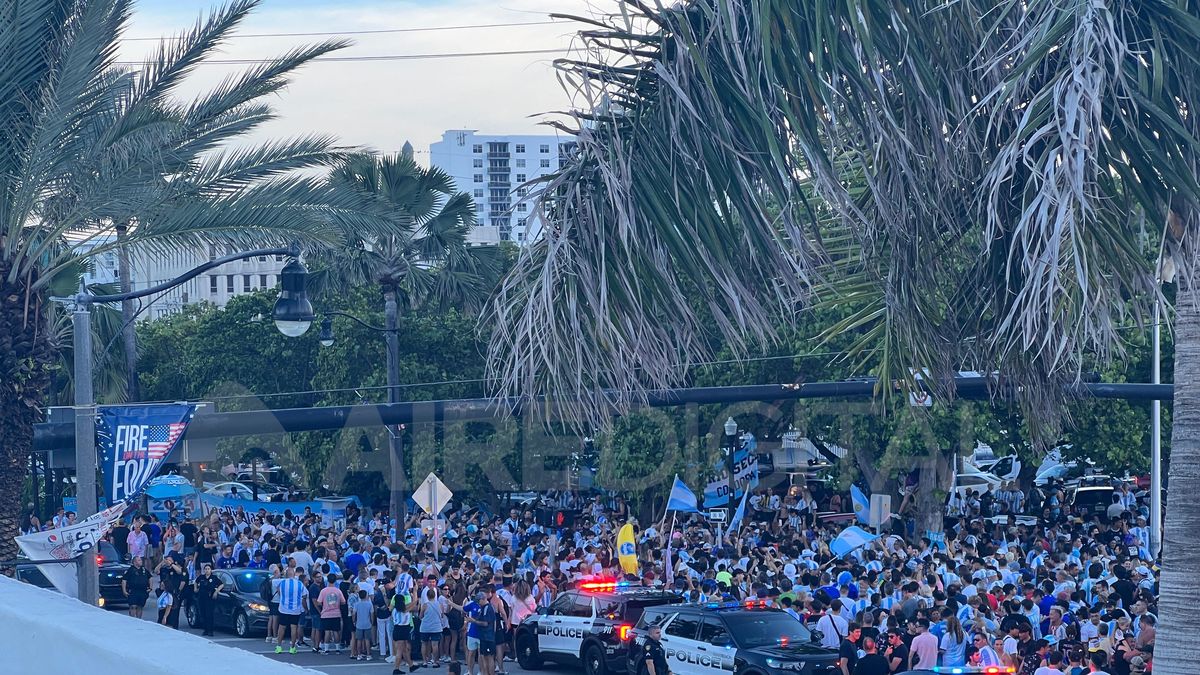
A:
x: 390, y: 659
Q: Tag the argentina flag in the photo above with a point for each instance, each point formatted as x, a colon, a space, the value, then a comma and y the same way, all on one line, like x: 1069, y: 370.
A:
x: 851, y: 538
x: 682, y: 499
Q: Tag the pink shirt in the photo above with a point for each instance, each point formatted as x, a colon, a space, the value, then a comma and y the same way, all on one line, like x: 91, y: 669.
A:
x: 925, y: 650
x: 137, y: 541
x: 330, y: 601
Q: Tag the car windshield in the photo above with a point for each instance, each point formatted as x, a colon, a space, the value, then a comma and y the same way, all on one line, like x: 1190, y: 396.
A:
x: 250, y: 581
x: 759, y: 629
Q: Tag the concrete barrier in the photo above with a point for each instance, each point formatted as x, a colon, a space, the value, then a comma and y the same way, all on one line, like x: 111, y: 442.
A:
x: 47, y: 632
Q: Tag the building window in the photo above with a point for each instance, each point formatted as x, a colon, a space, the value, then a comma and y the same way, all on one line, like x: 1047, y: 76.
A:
x: 521, y: 222
x: 520, y: 178
x: 520, y: 163
x: 521, y: 207
x: 262, y: 281
x: 229, y: 284
x: 479, y: 194
x: 521, y: 192
x: 246, y: 282
x: 520, y: 236
x: 212, y: 251
x: 262, y: 258
x: 212, y: 284
x: 183, y: 297
x: 477, y: 163
x: 477, y: 148
x: 544, y: 149
x: 478, y: 178
x: 520, y: 147
x: 545, y: 164
x: 278, y: 258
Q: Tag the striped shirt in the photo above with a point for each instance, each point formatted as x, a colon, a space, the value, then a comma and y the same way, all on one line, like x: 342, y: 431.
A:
x: 291, y: 596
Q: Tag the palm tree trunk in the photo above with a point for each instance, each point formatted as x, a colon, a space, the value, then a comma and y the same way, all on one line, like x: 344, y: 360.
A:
x: 25, y: 361
x: 1179, y: 585
x: 128, y: 330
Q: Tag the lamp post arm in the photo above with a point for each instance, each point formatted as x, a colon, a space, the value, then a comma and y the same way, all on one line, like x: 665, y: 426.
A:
x: 360, y: 322
x: 186, y: 276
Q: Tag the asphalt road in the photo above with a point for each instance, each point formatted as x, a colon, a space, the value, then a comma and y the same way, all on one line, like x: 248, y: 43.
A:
x: 332, y: 663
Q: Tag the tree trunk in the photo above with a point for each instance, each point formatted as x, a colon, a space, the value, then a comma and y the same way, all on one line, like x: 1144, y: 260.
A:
x: 1179, y: 584
x: 25, y: 360
x: 128, y: 329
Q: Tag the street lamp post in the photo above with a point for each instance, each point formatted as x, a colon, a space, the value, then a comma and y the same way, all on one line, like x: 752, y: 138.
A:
x: 396, y: 504
x: 293, y: 315
x: 730, y: 450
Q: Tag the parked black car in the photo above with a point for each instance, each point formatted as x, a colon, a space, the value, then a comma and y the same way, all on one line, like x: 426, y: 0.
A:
x: 111, y: 569
x: 239, y: 606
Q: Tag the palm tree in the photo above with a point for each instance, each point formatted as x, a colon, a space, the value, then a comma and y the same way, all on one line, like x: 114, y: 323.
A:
x: 86, y: 145
x: 423, y: 261
x: 1019, y: 158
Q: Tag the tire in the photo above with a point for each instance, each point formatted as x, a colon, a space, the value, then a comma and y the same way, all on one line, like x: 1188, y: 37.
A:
x: 241, y: 624
x: 528, y: 656
x: 192, y: 615
x: 594, y: 661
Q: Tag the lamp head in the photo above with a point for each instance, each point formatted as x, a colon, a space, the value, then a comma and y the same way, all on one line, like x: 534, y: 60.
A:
x: 293, y: 312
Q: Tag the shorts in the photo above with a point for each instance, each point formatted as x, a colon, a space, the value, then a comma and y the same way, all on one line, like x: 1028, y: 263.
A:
x: 472, y: 643
x: 446, y: 632
x: 289, y: 619
x: 274, y: 609
x: 362, y: 633
x: 430, y: 637
x: 137, y: 600
x: 487, y: 648
x: 332, y: 624
x: 401, y: 633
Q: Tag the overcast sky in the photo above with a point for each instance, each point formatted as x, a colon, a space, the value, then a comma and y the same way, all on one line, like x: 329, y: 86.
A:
x: 382, y: 104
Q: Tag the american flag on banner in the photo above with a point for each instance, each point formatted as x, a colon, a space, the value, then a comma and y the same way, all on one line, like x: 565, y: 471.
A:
x: 161, y: 437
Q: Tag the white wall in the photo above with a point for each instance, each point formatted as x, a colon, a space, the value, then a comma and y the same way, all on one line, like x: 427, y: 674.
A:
x: 47, y: 632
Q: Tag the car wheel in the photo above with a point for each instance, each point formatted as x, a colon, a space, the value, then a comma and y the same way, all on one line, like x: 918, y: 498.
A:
x: 193, y: 616
x: 241, y: 624
x: 593, y: 660
x: 528, y: 656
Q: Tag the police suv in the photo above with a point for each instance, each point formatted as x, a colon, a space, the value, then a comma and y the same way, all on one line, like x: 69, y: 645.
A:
x: 740, y: 638
x: 588, y: 625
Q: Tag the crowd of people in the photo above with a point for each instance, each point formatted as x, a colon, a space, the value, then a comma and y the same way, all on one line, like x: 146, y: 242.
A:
x: 1062, y: 595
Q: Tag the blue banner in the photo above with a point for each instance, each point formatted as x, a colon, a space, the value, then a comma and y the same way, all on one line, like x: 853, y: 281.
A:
x: 134, y: 441
x: 745, y: 471
x: 331, y: 509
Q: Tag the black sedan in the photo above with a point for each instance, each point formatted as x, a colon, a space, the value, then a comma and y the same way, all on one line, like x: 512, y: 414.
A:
x: 239, y: 606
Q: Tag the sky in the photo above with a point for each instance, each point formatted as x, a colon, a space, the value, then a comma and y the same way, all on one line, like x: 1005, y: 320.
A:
x: 380, y: 105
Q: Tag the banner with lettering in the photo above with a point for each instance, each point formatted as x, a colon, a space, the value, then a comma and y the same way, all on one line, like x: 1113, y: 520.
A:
x: 66, y: 544
x: 134, y: 441
x: 745, y: 471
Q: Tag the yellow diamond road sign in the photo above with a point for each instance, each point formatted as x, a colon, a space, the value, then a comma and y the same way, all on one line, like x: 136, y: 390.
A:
x: 432, y: 495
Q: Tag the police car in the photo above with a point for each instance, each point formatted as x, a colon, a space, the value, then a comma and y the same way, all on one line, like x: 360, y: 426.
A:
x: 588, y: 625
x: 740, y: 638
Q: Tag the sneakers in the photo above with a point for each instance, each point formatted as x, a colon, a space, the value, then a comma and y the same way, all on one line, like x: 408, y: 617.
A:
x: 292, y: 650
x: 445, y: 659
x: 390, y: 659
x: 278, y: 649
x: 365, y: 657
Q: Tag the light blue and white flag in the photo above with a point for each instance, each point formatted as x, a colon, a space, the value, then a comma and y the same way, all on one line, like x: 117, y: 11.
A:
x: 739, y: 514
x: 851, y: 538
x: 682, y: 499
x: 862, y: 505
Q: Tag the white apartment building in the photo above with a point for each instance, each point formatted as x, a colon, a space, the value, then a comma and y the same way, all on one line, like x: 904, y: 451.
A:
x: 216, y: 286
x: 493, y: 168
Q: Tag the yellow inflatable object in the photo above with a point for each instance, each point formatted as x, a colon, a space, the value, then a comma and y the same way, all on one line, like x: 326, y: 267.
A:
x: 626, y: 549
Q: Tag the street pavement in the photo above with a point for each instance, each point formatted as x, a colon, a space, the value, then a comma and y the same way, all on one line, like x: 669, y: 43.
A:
x: 331, y: 663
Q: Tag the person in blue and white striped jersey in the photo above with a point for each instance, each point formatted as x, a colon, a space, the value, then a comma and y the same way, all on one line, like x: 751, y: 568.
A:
x: 292, y: 596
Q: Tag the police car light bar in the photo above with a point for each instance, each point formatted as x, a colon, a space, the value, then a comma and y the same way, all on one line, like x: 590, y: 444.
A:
x: 602, y: 585
x: 971, y: 670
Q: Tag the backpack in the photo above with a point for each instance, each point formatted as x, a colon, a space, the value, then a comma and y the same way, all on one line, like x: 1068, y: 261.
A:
x: 265, y: 591
x: 381, y: 606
